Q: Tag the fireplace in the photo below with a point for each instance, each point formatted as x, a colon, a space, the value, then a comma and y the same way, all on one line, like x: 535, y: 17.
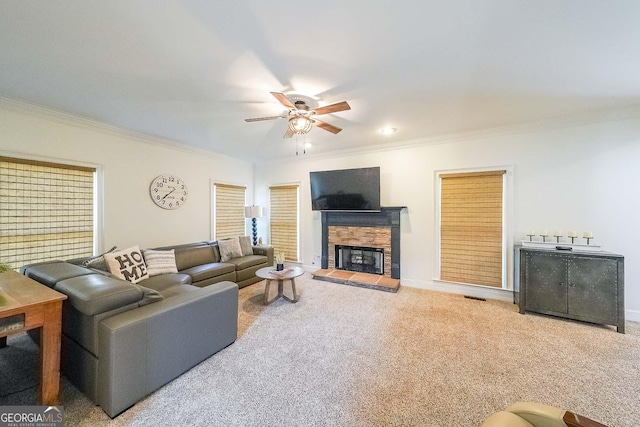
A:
x: 360, y: 259
x: 379, y: 231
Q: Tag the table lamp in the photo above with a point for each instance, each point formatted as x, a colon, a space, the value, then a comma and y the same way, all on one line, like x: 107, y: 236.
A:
x: 253, y: 212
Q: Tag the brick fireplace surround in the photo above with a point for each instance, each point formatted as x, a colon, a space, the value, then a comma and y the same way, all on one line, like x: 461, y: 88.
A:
x: 368, y: 237
x: 366, y: 229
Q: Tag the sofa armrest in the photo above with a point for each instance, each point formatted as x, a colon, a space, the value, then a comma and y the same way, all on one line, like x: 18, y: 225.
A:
x: 265, y: 251
x: 94, y: 293
x: 142, y: 349
x: 534, y: 414
x: 537, y: 413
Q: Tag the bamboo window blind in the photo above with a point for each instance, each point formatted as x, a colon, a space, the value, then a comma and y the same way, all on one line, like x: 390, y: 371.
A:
x: 471, y: 215
x: 46, y: 211
x: 229, y: 210
x: 284, y: 220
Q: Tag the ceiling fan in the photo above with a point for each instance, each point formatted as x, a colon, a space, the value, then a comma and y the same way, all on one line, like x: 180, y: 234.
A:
x: 301, y: 116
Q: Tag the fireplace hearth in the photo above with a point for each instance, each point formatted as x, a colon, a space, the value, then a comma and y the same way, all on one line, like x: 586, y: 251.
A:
x: 360, y: 259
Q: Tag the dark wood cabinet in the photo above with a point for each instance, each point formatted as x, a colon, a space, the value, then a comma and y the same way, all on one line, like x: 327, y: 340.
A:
x: 576, y: 285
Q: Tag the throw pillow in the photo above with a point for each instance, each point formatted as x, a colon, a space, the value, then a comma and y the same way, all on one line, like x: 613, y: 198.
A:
x: 245, y: 245
x: 98, y: 262
x: 229, y: 248
x: 127, y: 264
x: 160, y: 262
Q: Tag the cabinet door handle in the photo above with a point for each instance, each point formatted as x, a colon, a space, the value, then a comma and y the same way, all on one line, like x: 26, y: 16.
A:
x: 561, y: 283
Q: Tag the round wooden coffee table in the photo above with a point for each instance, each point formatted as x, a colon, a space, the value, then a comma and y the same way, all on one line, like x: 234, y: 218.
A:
x: 270, y: 274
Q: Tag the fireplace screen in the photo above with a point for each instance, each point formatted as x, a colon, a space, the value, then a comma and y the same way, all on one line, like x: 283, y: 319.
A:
x: 360, y: 259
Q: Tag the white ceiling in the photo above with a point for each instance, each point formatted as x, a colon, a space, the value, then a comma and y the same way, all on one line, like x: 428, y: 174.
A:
x: 192, y: 71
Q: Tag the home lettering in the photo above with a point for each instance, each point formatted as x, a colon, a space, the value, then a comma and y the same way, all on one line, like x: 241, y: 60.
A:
x: 131, y: 265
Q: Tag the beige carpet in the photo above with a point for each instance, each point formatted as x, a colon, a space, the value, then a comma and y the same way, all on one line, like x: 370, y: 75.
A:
x: 348, y: 356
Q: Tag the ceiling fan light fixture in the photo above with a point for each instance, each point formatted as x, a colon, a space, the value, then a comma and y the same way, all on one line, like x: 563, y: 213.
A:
x: 300, y: 124
x: 388, y: 131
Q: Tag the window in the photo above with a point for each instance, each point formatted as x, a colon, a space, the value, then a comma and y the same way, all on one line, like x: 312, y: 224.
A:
x: 471, y: 228
x: 46, y: 211
x: 284, y: 220
x: 229, y: 210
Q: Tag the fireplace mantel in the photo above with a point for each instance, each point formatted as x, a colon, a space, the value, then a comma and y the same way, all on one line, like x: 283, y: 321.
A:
x: 386, y: 217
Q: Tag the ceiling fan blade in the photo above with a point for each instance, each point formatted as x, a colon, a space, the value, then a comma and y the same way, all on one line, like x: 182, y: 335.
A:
x: 259, y: 119
x: 289, y: 133
x: 333, y: 108
x: 326, y: 126
x: 283, y: 99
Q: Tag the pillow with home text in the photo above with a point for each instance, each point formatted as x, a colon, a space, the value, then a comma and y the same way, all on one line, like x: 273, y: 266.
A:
x: 127, y: 264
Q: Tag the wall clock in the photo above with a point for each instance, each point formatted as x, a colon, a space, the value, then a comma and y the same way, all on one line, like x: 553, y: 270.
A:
x: 168, y: 191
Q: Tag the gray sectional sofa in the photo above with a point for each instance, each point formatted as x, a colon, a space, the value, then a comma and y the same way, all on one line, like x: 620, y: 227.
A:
x: 122, y: 341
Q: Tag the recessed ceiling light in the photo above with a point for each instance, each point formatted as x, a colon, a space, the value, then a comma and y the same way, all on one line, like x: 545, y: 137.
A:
x: 388, y: 131
x: 307, y: 145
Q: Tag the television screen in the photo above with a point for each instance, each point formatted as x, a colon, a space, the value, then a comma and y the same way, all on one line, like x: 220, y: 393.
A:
x: 346, y: 190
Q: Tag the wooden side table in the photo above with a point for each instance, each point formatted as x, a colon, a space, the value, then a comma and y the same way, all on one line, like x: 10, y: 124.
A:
x: 27, y: 304
x: 270, y: 275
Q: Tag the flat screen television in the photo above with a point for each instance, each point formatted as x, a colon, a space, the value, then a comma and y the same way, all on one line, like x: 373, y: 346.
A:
x: 346, y: 190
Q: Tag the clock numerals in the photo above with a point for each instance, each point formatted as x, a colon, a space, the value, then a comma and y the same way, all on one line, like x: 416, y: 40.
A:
x: 168, y: 191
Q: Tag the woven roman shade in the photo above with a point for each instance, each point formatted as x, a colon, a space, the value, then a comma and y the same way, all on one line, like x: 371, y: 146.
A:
x: 471, y: 214
x: 284, y: 220
x: 46, y: 211
x: 229, y: 210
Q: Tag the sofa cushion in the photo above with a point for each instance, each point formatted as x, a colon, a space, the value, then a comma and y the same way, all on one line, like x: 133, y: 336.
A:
x: 248, y: 273
x: 160, y: 262
x: 206, y: 271
x: 164, y: 281
x: 216, y: 249
x: 95, y: 293
x: 247, y: 261
x: 193, y: 255
x: 229, y: 248
x: 50, y: 273
x: 127, y: 264
x: 245, y: 245
x: 178, y: 289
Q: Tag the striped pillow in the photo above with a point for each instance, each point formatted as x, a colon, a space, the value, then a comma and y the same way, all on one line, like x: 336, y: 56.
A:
x: 98, y: 261
x: 160, y: 262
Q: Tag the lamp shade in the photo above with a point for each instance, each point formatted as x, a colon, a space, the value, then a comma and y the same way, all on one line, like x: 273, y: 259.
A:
x: 252, y: 211
x: 300, y: 124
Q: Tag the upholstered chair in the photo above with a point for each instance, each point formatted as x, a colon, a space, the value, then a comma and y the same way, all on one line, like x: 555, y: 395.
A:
x: 530, y: 414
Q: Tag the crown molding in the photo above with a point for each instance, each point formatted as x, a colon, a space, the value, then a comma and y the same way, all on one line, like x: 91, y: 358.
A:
x: 82, y: 122
x: 631, y: 112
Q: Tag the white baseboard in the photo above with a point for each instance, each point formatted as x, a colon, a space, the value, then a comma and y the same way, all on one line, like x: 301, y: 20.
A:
x: 458, y: 288
x: 310, y: 268
x: 632, y: 315
x: 470, y: 290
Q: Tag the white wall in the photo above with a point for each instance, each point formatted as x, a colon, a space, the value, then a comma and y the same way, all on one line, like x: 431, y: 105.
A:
x: 576, y: 176
x: 571, y: 176
x: 128, y: 163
